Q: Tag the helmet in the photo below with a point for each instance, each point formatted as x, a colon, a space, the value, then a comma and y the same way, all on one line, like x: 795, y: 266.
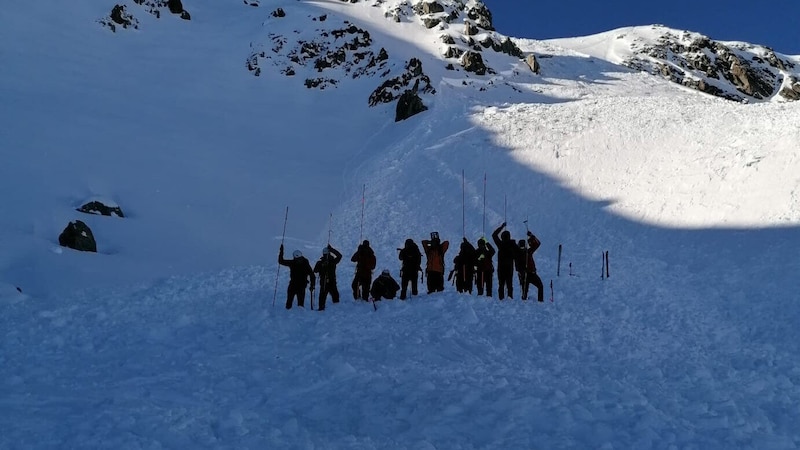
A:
x: 297, y: 254
x: 326, y: 251
x: 365, y: 243
x: 385, y: 272
x: 506, y: 235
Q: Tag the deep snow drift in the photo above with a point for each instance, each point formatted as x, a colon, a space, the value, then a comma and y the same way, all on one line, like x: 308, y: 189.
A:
x: 167, y: 338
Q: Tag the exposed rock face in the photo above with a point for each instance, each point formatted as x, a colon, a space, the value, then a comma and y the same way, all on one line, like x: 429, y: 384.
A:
x: 119, y: 16
x: 394, y: 87
x: 279, y: 13
x: 533, y: 63
x: 409, y: 104
x: 78, y: 236
x: 792, y: 90
x: 482, y: 16
x: 473, y: 62
x: 735, y: 71
x: 96, y: 207
x: 344, y: 48
x: 154, y: 7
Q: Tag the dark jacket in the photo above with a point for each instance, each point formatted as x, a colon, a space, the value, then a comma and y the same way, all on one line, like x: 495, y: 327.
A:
x: 411, y: 259
x: 326, y: 266
x: 299, y: 270
x: 507, y: 250
x: 364, y: 258
x: 483, y: 257
x: 533, y: 245
x: 384, y: 287
x: 464, y: 262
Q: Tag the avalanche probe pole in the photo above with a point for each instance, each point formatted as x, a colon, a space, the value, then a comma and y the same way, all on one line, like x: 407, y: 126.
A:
x: 277, y: 272
x: 484, y: 204
x: 558, y: 271
x: 525, y: 270
x: 463, y: 206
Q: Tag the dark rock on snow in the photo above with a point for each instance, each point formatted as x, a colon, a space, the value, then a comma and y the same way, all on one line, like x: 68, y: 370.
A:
x: 78, y: 236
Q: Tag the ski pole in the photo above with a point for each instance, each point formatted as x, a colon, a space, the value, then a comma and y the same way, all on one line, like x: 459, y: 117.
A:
x: 551, y: 291
x: 484, y: 204
x: 330, y: 228
x: 558, y: 271
x: 603, y: 266
x: 363, y: 200
x: 463, y: 206
x: 277, y: 272
x: 607, y: 275
x: 525, y: 270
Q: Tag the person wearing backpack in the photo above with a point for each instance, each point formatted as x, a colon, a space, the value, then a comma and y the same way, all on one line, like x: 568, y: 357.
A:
x: 299, y: 274
x: 384, y: 286
x: 326, y: 268
x: 411, y: 264
x: 464, y: 267
x: 484, y: 267
x: 434, y: 269
x: 364, y: 258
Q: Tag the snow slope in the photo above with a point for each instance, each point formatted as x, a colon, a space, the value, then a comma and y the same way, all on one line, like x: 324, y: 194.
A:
x: 168, y: 337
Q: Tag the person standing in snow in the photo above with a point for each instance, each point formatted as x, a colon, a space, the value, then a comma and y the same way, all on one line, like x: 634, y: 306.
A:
x: 384, y: 286
x: 411, y: 264
x: 484, y: 267
x: 434, y: 270
x: 326, y: 268
x: 530, y: 276
x: 519, y: 265
x: 299, y: 275
x: 364, y: 258
x: 507, y: 252
x: 464, y: 267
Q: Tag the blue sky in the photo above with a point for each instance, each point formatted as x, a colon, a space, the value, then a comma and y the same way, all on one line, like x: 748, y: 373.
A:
x: 773, y: 25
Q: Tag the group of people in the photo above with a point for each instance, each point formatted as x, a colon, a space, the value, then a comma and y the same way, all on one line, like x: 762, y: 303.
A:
x: 471, y: 265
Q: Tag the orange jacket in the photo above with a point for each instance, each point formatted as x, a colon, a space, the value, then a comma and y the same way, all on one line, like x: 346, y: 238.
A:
x: 435, y: 255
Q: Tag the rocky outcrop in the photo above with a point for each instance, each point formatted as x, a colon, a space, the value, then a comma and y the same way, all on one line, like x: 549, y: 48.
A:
x: 473, y: 62
x: 97, y: 207
x: 482, y: 16
x: 533, y: 63
x: 78, y: 236
x: 735, y: 71
x: 155, y: 7
x: 119, y: 17
x: 792, y: 89
x: 409, y: 104
x: 345, y: 49
x: 394, y: 87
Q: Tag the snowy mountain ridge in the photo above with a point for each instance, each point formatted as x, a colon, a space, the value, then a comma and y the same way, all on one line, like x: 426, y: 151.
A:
x: 736, y: 71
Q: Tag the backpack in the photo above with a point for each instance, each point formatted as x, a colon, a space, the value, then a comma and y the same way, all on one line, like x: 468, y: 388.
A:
x: 367, y: 258
x: 413, y: 257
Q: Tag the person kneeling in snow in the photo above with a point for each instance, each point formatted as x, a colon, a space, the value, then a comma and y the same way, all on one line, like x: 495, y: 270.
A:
x: 384, y: 286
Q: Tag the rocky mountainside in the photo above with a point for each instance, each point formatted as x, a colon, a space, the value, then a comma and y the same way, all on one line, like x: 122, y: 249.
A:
x: 323, y: 47
x: 736, y: 71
